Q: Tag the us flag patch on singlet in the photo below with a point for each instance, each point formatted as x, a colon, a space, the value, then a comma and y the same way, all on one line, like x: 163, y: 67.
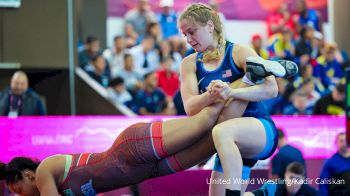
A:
x: 227, y: 73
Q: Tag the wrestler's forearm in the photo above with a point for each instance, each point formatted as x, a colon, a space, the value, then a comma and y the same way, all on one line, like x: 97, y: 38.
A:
x: 264, y: 91
x: 196, y: 103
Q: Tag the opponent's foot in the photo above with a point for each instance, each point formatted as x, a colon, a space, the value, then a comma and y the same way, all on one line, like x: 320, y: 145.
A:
x: 258, y: 68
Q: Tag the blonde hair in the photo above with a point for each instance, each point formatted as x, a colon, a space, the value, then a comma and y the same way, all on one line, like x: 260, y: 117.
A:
x: 200, y: 13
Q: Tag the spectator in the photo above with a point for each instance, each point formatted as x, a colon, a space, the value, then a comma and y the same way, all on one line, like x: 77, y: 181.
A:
x: 115, y: 55
x: 306, y: 16
x: 19, y: 100
x: 145, y: 57
x: 312, y: 95
x: 279, y: 19
x: 337, y: 168
x: 168, y: 19
x: 179, y: 105
x: 294, y: 182
x: 139, y: 17
x: 131, y: 37
x: 99, y: 70
x: 151, y: 100
x: 333, y: 103
x: 303, y: 49
x: 117, y: 92
x: 168, y: 80
x: 328, y: 69
x: 92, y: 48
x: 299, y: 104
x: 277, y: 104
x: 318, y: 45
x: 132, y: 79
x: 153, y: 30
x: 167, y: 50
x: 306, y: 73
x: 258, y: 46
x: 281, y: 45
x: 286, y: 155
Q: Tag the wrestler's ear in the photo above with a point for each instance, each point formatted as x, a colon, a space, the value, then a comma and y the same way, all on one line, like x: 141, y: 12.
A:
x: 29, y: 174
x: 211, y: 26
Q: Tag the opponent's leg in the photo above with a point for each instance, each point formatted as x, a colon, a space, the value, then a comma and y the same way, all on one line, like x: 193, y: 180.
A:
x: 180, y: 133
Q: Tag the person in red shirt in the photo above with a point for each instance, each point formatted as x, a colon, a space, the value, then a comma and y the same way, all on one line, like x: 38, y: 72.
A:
x: 279, y: 19
x: 168, y: 80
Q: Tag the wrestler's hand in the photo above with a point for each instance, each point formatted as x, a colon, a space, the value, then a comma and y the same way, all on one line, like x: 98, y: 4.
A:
x: 212, y: 84
x: 222, y: 90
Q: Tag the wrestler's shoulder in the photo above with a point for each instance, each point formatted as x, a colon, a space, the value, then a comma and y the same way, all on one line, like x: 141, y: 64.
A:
x: 190, y: 59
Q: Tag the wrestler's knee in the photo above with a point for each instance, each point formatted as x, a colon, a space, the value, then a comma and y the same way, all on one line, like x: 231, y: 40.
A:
x: 221, y: 134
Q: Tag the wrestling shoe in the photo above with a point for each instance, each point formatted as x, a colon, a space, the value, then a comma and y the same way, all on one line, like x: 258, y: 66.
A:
x: 258, y: 69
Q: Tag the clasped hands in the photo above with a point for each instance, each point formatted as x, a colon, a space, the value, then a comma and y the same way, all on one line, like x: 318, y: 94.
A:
x: 219, y: 90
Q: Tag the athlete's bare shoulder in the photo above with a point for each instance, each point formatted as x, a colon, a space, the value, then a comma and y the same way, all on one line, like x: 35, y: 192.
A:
x: 54, y: 165
x: 189, y: 62
x: 49, y: 174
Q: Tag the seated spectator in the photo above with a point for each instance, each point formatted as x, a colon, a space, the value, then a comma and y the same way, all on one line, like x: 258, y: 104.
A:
x: 306, y: 17
x: 279, y: 19
x: 167, y: 50
x: 137, y: 18
x: 168, y: 19
x: 312, y: 95
x: 19, y: 100
x: 306, y: 73
x: 178, y: 103
x: 153, y: 30
x: 115, y: 55
x: 145, y: 57
x: 286, y: 154
x: 276, y: 105
x: 168, y: 80
x: 281, y: 45
x: 299, y: 104
x: 303, y: 48
x: 318, y: 45
x: 117, y: 92
x: 92, y: 48
x: 257, y: 45
x: 337, y: 168
x: 294, y: 182
x: 333, y: 103
x: 328, y: 70
x: 132, y: 79
x: 99, y: 70
x: 131, y: 37
x: 151, y: 100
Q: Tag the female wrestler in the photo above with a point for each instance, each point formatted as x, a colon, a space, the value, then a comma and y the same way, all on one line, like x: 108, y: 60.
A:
x: 140, y: 152
x: 253, y: 136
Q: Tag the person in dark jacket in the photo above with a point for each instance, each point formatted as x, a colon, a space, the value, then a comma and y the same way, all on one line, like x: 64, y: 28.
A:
x: 19, y: 99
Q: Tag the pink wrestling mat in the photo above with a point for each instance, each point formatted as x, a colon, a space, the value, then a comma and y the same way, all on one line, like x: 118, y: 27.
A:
x: 44, y: 136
